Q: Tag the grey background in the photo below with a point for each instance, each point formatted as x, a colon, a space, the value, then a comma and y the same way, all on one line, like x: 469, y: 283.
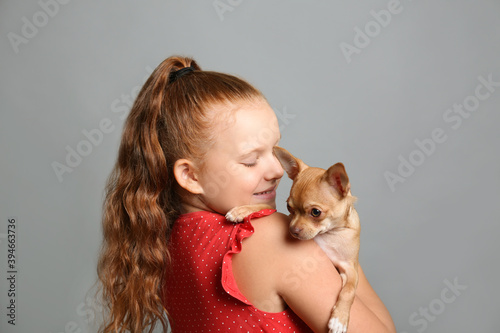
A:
x: 440, y: 224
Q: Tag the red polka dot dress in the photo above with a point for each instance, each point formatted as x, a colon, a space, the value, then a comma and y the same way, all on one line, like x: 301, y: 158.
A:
x: 200, y: 292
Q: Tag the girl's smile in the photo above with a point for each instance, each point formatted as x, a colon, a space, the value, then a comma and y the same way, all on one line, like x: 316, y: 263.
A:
x: 269, y: 194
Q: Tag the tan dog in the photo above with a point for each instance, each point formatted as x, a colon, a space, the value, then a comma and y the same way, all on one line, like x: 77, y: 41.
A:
x: 321, y: 207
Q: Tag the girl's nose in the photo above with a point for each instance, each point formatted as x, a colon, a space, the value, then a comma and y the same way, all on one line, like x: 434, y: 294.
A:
x: 275, y: 170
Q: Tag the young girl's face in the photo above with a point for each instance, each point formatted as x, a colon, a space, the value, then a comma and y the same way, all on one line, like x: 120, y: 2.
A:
x: 240, y: 167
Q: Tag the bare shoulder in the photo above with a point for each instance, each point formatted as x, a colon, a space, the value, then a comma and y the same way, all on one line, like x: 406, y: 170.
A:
x: 254, y: 268
x: 273, y: 227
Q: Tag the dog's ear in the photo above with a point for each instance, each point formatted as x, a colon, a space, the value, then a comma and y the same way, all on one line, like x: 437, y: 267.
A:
x: 336, y: 176
x: 290, y: 163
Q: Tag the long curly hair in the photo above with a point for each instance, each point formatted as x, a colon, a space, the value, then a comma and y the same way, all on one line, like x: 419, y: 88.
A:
x: 169, y: 120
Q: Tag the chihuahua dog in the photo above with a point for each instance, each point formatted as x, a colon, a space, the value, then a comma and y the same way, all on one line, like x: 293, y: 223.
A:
x: 321, y: 207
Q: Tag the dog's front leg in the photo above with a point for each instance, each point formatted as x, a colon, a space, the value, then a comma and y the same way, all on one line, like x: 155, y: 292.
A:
x: 339, y: 318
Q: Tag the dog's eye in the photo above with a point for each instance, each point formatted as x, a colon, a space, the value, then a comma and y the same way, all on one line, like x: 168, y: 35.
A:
x: 290, y: 209
x: 315, y: 212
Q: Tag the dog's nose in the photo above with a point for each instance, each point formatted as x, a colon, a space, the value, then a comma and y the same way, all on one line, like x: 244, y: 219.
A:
x: 295, y: 231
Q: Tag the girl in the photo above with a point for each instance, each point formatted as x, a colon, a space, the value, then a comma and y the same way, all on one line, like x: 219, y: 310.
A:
x: 196, y: 144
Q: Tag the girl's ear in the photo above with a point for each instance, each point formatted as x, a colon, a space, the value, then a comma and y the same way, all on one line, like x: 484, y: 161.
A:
x: 185, y: 174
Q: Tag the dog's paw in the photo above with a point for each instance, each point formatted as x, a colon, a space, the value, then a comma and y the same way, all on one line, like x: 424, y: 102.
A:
x: 336, y: 326
x: 237, y: 214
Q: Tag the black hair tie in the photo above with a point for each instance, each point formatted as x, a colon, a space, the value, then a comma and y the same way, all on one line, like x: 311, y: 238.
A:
x: 181, y: 72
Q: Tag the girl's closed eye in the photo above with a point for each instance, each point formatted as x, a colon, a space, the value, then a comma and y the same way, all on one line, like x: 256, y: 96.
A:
x: 250, y: 164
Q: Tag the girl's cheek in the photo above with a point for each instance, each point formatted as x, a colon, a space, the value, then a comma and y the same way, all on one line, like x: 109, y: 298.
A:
x: 251, y: 174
